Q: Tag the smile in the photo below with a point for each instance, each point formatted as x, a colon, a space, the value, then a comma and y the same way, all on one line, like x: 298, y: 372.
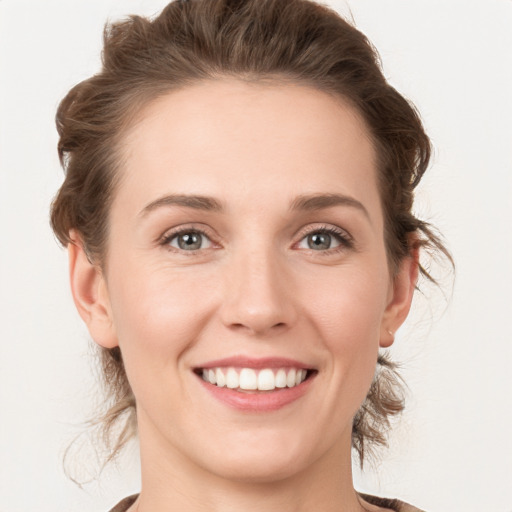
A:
x: 249, y: 379
x: 256, y: 385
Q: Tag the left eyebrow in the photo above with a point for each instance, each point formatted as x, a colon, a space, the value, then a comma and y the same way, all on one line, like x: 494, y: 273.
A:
x: 314, y: 202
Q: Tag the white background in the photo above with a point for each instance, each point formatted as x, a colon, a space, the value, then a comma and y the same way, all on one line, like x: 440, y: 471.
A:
x: 452, y: 451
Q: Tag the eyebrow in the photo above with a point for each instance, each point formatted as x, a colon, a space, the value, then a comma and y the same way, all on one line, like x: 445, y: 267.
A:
x: 307, y: 202
x: 313, y: 202
x: 196, y: 202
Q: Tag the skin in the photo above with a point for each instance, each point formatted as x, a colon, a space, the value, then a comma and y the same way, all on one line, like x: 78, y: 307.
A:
x: 254, y: 288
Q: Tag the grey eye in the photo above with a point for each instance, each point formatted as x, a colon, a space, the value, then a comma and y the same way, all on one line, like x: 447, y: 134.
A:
x: 190, y: 241
x: 319, y: 241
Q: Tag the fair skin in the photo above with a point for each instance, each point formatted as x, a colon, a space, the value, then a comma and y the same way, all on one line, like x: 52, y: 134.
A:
x: 246, y: 232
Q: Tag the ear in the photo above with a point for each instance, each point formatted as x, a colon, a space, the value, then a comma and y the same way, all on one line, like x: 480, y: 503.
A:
x: 90, y: 294
x: 400, y: 298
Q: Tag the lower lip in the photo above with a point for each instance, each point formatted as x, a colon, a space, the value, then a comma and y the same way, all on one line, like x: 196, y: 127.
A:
x: 258, y: 401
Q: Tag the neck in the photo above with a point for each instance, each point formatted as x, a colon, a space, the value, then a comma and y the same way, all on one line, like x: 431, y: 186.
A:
x: 171, y: 481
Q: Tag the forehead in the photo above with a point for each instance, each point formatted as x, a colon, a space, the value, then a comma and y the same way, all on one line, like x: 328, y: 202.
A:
x: 234, y: 139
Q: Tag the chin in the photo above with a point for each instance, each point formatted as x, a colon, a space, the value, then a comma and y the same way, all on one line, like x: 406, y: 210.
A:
x: 259, y: 457
x: 258, y: 468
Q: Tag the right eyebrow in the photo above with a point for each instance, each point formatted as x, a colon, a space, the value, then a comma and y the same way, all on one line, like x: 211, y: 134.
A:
x: 189, y: 201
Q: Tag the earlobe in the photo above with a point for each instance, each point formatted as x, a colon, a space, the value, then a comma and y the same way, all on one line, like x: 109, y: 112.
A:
x: 90, y: 294
x: 399, y: 305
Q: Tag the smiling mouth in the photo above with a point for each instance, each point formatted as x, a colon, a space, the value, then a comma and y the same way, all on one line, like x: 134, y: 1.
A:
x: 247, y: 380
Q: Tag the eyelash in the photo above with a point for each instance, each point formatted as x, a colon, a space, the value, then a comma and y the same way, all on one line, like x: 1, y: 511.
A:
x: 169, y: 236
x: 342, y: 237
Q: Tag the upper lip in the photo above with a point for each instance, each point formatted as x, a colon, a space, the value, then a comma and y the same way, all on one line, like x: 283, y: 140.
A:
x: 255, y: 362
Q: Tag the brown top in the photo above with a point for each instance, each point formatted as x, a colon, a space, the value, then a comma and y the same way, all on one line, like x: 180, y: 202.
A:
x: 125, y: 504
x: 396, y: 505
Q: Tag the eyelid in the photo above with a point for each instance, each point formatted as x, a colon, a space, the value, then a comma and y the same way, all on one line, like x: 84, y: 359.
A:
x: 346, y: 240
x: 202, y: 229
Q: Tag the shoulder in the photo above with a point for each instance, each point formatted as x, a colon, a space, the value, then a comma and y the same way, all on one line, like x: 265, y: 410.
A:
x: 125, y: 504
x: 391, y: 504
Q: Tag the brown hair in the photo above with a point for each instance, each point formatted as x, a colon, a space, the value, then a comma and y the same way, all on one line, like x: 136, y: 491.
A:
x: 282, y: 40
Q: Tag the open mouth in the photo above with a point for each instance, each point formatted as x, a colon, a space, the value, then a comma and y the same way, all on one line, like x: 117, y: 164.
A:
x: 253, y: 380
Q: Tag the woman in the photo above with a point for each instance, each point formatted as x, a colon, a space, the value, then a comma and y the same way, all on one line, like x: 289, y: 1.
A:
x: 237, y: 210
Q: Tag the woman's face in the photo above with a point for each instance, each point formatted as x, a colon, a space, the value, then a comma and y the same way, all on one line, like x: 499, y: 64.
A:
x: 246, y: 248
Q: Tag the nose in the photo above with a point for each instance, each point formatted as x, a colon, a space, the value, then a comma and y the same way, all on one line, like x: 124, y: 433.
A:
x: 258, y: 295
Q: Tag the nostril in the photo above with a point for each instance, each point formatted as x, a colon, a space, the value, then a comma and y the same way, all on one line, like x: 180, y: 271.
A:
x: 252, y: 326
x: 239, y: 326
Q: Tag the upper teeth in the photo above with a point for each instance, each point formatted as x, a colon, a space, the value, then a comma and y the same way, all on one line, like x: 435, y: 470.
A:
x: 265, y: 379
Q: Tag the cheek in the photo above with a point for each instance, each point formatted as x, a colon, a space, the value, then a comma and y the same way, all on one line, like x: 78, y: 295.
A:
x: 158, y: 316
x: 347, y: 312
x: 349, y: 306
x: 158, y: 312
